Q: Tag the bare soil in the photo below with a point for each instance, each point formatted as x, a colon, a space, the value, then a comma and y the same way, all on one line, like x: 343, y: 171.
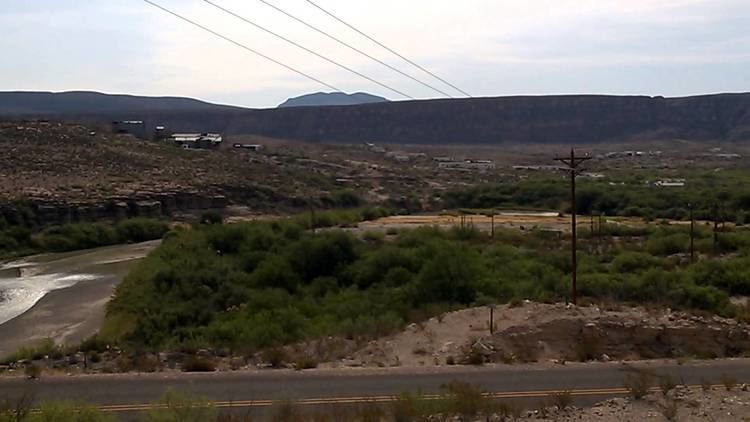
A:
x: 557, y: 333
x: 681, y: 404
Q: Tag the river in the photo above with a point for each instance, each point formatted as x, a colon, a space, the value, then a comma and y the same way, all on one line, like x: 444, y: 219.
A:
x: 61, y: 296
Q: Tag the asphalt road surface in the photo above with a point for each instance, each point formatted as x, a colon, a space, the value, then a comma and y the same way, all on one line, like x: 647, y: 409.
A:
x: 256, y: 389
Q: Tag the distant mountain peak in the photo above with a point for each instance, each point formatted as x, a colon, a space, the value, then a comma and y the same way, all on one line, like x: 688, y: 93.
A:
x: 332, y: 99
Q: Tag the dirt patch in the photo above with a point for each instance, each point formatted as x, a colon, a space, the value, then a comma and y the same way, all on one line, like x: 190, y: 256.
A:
x: 516, y: 220
x: 680, y: 404
x: 542, y: 332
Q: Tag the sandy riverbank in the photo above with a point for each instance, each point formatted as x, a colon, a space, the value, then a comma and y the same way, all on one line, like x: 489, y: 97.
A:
x: 72, y: 313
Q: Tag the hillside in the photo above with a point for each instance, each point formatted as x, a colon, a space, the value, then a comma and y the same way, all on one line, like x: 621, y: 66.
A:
x: 499, y: 120
x: 331, y: 99
x: 39, y: 103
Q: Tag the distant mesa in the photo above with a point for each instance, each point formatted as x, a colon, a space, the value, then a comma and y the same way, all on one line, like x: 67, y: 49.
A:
x: 332, y: 99
x: 550, y: 119
x: 38, y: 103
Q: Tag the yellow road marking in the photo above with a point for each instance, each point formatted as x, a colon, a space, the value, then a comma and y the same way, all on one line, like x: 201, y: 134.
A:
x: 613, y: 391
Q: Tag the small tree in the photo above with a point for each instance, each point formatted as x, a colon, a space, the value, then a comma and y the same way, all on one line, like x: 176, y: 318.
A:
x: 211, y: 217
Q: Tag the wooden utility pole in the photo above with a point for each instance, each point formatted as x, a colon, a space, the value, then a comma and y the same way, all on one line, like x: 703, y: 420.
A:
x: 716, y: 228
x: 492, y: 319
x: 572, y: 162
x: 692, y: 234
x: 313, y: 220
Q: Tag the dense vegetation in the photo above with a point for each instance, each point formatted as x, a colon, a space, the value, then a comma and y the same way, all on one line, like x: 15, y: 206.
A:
x: 724, y: 195
x: 19, y: 238
x: 249, y: 286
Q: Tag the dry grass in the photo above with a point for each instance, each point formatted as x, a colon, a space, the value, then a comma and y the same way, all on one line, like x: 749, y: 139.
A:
x: 638, y: 384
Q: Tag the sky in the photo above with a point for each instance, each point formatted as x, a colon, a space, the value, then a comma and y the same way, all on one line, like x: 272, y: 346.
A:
x: 485, y: 47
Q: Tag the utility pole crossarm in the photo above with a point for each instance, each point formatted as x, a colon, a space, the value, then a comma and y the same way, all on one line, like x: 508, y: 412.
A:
x: 572, y: 162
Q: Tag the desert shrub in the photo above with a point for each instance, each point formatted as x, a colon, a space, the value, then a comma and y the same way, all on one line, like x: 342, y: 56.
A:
x: 669, y: 244
x: 276, y: 357
x: 729, y: 381
x: 147, y: 363
x: 16, y: 409
x: 669, y: 409
x: 70, y: 237
x: 369, y: 214
x: 177, y: 407
x: 630, y: 262
x: 211, y: 217
x: 464, y: 399
x: 198, y: 364
x: 666, y: 384
x: 475, y: 358
x: 561, y: 399
x: 409, y: 407
x: 67, y: 412
x: 45, y: 348
x: 287, y: 411
x: 638, y: 385
x: 93, y: 344
x: 124, y: 364
x: 346, y: 199
x: 588, y: 347
x: 33, y: 371
x: 370, y: 412
x: 306, y: 362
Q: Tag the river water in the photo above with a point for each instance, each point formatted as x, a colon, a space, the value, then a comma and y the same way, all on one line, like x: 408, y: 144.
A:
x: 61, y: 295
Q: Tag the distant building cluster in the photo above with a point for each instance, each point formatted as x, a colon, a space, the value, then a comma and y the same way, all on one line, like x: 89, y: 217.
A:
x: 196, y: 140
x: 136, y: 128
x: 467, y: 165
x: 540, y: 168
x: 251, y: 147
x: 185, y: 140
x: 405, y: 157
x: 625, y: 154
x: 670, y: 183
x: 443, y: 162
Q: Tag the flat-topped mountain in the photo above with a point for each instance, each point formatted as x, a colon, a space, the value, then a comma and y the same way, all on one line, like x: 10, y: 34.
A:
x: 332, y: 99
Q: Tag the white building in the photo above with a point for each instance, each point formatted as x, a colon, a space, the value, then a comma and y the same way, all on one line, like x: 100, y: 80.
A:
x: 197, y: 140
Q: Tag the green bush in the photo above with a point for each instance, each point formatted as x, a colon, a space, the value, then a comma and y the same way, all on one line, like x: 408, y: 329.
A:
x: 668, y: 245
x: 141, y: 230
x: 252, y: 286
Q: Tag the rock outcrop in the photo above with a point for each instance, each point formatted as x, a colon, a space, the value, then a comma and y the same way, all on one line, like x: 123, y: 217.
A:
x: 147, y: 205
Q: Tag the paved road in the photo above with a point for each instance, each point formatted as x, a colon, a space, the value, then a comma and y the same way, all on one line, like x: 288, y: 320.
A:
x: 129, y: 393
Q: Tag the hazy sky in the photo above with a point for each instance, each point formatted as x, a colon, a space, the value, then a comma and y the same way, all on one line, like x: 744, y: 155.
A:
x: 486, y: 47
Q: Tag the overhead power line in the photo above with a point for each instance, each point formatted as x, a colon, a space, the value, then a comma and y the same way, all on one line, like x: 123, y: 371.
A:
x: 411, y: 62
x: 351, y: 47
x: 312, y: 78
x: 313, y: 52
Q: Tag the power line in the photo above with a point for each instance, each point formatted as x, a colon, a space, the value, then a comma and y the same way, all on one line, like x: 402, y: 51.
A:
x: 243, y: 46
x: 298, y: 45
x: 411, y: 62
x: 351, y: 47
